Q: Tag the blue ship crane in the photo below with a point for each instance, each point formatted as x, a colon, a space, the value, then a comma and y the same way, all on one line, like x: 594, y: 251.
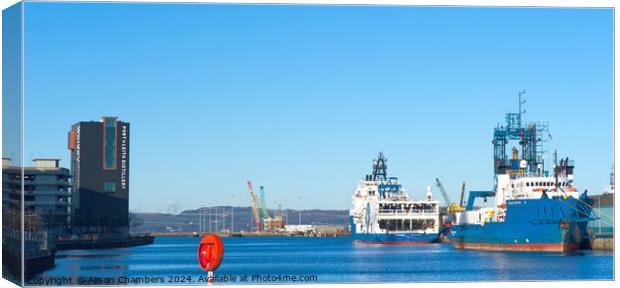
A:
x: 477, y: 194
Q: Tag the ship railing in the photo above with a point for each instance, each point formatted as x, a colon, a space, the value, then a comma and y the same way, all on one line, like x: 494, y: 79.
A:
x: 528, y: 175
x: 538, y: 174
x: 406, y: 212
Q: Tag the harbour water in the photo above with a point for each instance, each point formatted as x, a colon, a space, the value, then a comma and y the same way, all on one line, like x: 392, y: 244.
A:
x: 323, y: 260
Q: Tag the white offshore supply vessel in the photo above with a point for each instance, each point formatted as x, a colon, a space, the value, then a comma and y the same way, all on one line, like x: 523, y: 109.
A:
x: 383, y: 213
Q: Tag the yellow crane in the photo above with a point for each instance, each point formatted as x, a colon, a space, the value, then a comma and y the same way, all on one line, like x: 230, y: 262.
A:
x: 254, y: 199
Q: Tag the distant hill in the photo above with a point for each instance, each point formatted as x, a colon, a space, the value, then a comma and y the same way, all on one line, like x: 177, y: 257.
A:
x: 189, y: 220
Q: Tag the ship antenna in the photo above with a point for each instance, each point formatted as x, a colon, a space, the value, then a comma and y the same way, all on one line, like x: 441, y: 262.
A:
x: 521, y: 109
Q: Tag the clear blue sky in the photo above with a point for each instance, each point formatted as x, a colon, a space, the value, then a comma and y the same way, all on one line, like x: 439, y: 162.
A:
x: 300, y: 99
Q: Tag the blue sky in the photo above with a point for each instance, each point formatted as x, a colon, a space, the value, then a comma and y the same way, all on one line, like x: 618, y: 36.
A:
x: 300, y: 99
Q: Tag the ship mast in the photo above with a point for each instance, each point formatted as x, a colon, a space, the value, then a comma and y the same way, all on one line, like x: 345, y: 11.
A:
x: 379, y: 168
x: 530, y: 138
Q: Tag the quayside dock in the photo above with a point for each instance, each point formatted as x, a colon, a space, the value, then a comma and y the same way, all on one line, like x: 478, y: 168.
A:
x: 104, y: 243
x: 256, y: 234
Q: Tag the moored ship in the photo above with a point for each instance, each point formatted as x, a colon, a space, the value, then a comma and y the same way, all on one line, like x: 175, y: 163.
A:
x: 383, y: 213
x: 533, y: 210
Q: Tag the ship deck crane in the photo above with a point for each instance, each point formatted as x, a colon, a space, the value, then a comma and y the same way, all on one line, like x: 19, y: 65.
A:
x: 478, y: 194
x: 254, y: 208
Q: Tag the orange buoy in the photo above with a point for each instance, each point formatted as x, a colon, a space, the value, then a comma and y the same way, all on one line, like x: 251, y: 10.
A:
x: 210, y: 252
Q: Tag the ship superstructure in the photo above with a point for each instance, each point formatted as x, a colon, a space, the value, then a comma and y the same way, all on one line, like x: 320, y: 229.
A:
x: 532, y: 209
x: 383, y: 213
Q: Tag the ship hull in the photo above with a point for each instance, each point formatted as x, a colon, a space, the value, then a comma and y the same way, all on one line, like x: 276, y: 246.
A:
x: 544, y: 238
x: 400, y: 238
x: 549, y: 247
x: 543, y: 225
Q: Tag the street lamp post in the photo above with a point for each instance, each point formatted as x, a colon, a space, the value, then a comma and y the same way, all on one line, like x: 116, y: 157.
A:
x: 203, y: 216
x: 300, y: 198
x: 286, y: 212
x: 232, y: 215
x: 210, y: 220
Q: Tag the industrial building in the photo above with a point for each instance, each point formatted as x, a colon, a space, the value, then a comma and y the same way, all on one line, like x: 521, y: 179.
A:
x: 46, y: 194
x: 100, y: 168
x: 299, y: 229
x: 603, y: 207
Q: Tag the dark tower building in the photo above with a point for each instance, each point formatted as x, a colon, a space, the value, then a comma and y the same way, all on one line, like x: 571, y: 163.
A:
x: 100, y: 168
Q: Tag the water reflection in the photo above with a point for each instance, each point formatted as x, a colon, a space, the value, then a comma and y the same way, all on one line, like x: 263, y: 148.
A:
x: 334, y: 260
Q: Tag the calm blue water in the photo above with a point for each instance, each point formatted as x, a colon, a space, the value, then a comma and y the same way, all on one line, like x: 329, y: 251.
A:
x: 331, y: 260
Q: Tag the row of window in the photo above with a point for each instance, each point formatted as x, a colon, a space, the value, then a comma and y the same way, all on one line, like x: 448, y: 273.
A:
x: 28, y: 177
x: 109, y: 187
x: 406, y: 224
x: 32, y: 197
x: 45, y: 188
x: 542, y: 184
x: 45, y: 209
x: 405, y: 206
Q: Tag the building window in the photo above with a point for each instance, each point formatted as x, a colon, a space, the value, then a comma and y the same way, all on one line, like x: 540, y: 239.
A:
x: 109, y: 143
x: 109, y: 187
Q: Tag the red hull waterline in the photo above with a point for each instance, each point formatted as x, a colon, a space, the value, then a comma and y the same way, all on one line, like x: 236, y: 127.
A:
x: 392, y: 242
x: 550, y: 247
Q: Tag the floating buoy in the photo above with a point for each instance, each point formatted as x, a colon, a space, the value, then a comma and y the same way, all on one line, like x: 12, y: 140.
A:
x: 210, y: 254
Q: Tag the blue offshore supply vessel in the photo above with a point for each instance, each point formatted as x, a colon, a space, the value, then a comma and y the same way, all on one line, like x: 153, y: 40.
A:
x: 532, y: 210
x: 383, y: 213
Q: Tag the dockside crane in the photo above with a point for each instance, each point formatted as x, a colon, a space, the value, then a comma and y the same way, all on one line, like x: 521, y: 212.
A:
x: 443, y: 192
x: 452, y: 207
x: 462, y: 194
x: 264, y: 214
x: 269, y: 224
x: 259, y: 226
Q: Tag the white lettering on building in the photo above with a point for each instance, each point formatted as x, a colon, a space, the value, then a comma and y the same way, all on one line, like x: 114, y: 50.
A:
x: 77, y: 156
x: 124, y: 157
